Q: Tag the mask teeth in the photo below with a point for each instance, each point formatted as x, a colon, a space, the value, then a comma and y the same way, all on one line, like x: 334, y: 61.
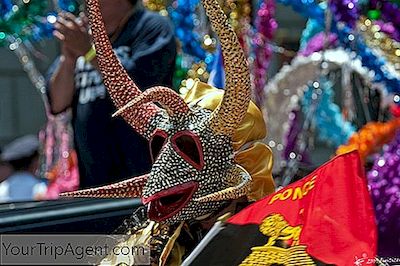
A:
x: 120, y: 86
x: 242, y: 180
x: 131, y: 188
x: 169, y: 99
x: 228, y: 116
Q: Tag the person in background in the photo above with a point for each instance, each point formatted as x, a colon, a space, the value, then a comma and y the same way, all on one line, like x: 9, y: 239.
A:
x: 5, y: 169
x: 22, y: 184
x: 108, y: 149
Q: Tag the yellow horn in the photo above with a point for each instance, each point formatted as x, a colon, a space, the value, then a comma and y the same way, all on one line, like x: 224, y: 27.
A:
x: 226, y: 118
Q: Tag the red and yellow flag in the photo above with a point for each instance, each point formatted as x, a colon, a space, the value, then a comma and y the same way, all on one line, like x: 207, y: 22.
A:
x: 327, y: 217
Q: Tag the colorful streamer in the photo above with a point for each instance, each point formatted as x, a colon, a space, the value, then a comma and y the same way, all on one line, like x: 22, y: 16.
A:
x: 384, y: 182
x: 30, y: 20
x: 348, y: 39
x: 266, y: 26
x: 345, y: 11
x: 328, y: 119
x: 370, y: 138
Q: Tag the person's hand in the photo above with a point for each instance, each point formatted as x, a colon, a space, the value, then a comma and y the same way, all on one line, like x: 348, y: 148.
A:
x: 68, y: 56
x: 73, y: 34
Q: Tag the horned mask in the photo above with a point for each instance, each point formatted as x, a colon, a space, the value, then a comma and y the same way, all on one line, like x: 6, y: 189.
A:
x: 194, y: 172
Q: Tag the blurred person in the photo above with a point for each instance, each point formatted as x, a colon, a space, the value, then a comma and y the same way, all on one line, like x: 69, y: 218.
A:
x: 5, y: 169
x: 108, y: 149
x: 22, y: 184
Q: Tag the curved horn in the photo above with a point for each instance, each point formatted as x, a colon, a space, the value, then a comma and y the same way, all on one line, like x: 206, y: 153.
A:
x: 242, y: 182
x: 169, y: 99
x: 226, y: 118
x: 120, y: 86
x: 131, y: 188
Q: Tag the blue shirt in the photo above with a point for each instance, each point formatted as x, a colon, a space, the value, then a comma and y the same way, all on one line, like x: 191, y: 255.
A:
x: 21, y: 186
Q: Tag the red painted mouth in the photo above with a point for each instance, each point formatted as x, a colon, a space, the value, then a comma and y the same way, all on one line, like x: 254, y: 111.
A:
x: 167, y: 203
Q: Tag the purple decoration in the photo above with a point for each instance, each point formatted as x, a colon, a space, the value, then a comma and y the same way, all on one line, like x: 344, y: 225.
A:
x: 345, y: 11
x: 266, y: 26
x: 384, y: 182
x: 389, y: 29
x: 291, y: 138
x: 316, y: 43
x: 389, y: 12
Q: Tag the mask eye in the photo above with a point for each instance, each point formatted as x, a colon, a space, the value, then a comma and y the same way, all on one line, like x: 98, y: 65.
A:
x: 188, y: 145
x: 157, y: 142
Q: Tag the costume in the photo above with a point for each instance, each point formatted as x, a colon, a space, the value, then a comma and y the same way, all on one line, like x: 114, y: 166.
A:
x: 108, y: 149
x: 204, y: 146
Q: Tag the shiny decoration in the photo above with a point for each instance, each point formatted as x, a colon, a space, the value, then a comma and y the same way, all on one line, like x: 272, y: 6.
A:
x: 59, y: 162
x: 384, y: 73
x: 282, y: 93
x: 180, y: 71
x: 370, y: 138
x: 345, y: 11
x: 5, y: 7
x: 312, y: 28
x: 384, y: 183
x: 314, y: 38
x: 395, y: 110
x: 157, y: 5
x: 317, y: 43
x: 30, y: 20
x: 21, y: 19
x: 60, y: 165
x: 217, y: 74
x: 183, y: 15
x: 327, y: 118
x: 239, y: 13
x: 266, y: 26
x: 309, y: 9
x: 197, y: 72
x: 374, y: 37
x: 71, y: 6
x: 388, y: 29
x: 292, y: 138
x: 387, y: 11
x: 369, y: 59
x: 29, y: 66
x: 374, y: 14
x: 195, y: 58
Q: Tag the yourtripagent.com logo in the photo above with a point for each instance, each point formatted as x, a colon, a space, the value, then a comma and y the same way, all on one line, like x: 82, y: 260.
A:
x: 70, y: 249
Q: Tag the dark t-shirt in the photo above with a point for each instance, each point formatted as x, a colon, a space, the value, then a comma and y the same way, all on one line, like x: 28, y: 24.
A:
x: 108, y: 148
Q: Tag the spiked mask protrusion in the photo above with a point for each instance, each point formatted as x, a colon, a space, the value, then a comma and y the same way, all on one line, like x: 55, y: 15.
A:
x: 131, y: 188
x: 119, y: 85
x: 226, y: 118
x: 169, y: 99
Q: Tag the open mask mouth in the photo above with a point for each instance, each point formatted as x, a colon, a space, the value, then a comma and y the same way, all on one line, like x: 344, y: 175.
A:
x: 167, y: 203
